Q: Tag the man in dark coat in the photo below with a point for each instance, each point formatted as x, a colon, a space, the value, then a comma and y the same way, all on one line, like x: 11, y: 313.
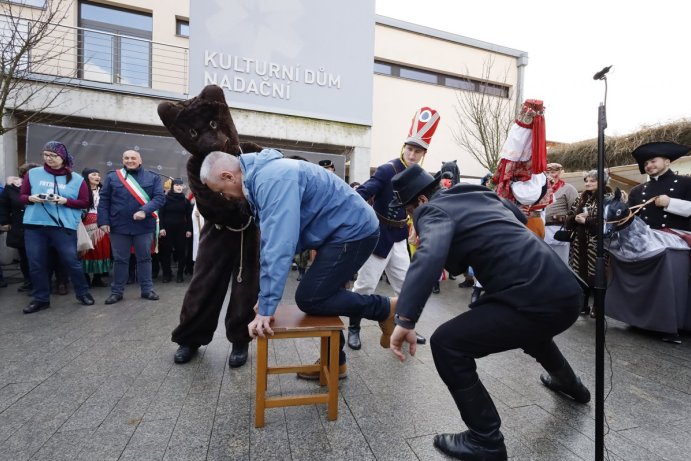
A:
x: 126, y: 210
x: 672, y: 205
x: 531, y: 296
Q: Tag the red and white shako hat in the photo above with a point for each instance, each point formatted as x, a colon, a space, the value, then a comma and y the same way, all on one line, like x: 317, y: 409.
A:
x: 425, y: 122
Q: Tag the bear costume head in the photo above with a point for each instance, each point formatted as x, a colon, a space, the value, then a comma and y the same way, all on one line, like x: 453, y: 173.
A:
x: 202, y: 125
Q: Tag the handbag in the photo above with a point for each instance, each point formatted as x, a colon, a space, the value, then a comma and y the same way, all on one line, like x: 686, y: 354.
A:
x: 84, y: 242
x: 564, y: 235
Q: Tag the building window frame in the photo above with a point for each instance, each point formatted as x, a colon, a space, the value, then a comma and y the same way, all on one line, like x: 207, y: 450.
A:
x: 182, y: 27
x: 431, y: 77
x: 121, y: 37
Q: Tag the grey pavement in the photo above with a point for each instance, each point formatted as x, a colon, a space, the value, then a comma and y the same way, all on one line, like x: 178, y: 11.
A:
x: 99, y: 383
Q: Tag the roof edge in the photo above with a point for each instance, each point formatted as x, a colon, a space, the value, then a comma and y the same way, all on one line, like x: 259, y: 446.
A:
x: 435, y: 33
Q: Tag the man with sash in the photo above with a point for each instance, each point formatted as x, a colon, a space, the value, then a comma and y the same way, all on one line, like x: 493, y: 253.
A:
x: 127, y: 211
x: 391, y: 253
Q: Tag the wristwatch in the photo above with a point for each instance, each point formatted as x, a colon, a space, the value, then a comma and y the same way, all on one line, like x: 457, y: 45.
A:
x: 404, y: 323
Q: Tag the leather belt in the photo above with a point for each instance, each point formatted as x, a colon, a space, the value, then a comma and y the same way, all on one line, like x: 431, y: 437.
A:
x: 390, y: 222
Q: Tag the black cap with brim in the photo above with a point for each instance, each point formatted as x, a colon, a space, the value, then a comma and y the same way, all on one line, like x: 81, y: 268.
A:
x: 669, y: 150
x: 409, y: 183
x: 326, y: 163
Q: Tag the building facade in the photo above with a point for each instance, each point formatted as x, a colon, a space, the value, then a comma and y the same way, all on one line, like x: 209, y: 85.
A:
x: 108, y: 64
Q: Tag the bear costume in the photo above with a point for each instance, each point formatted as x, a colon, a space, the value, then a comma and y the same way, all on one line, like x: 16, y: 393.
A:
x: 229, y: 241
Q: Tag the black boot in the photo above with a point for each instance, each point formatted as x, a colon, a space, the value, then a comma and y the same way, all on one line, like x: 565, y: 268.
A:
x: 435, y: 288
x: 477, y: 291
x: 565, y: 381
x: 97, y: 281
x: 483, y: 441
x: 354, y: 338
x: 238, y: 356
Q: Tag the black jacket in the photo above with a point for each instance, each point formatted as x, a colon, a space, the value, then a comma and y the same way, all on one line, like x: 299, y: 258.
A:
x: 670, y: 184
x: 468, y: 225
x: 12, y: 212
x: 176, y: 213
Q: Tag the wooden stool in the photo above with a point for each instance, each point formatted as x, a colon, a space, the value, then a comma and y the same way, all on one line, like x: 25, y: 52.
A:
x: 291, y: 322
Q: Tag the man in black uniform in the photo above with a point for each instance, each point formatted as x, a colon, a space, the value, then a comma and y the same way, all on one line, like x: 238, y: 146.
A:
x: 672, y: 205
x: 531, y: 296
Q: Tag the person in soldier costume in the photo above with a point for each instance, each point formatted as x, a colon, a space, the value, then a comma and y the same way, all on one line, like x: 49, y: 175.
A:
x: 391, y: 253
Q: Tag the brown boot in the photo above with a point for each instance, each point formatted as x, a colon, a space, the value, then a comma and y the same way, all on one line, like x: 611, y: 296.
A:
x: 387, y: 325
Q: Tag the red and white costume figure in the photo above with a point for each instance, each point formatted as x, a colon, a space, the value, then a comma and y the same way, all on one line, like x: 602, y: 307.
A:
x: 520, y: 176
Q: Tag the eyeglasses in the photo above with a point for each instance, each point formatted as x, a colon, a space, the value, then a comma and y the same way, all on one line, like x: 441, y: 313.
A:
x: 51, y: 156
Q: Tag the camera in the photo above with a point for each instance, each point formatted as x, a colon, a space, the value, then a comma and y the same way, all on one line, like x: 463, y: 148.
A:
x: 50, y: 197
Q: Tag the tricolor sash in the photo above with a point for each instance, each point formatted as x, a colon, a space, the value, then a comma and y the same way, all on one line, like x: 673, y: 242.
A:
x: 140, y: 196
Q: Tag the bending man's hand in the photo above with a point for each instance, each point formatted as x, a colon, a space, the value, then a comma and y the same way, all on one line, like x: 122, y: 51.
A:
x: 398, y: 337
x: 259, y: 326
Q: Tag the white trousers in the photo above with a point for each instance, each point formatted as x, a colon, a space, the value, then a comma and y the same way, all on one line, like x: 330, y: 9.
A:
x: 395, y: 264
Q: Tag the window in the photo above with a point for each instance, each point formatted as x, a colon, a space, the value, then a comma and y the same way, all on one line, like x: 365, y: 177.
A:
x: 114, y: 45
x: 382, y: 68
x: 182, y: 27
x: 34, y: 3
x: 438, y: 78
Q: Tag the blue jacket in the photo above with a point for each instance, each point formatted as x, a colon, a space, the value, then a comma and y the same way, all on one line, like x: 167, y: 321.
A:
x: 46, y: 214
x: 298, y: 206
x: 116, y: 205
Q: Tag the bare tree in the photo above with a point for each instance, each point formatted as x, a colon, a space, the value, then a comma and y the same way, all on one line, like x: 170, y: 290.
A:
x: 485, y: 114
x: 34, y: 47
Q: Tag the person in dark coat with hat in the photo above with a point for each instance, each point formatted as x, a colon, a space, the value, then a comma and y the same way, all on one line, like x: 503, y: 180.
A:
x: 672, y: 205
x: 391, y: 256
x: 530, y: 297
x: 176, y: 229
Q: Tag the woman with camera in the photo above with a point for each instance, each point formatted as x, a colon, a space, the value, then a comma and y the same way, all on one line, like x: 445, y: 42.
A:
x: 55, y: 198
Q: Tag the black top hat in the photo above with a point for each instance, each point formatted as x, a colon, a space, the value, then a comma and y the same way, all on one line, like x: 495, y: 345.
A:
x: 326, y: 163
x: 177, y: 181
x: 409, y: 183
x: 669, y: 150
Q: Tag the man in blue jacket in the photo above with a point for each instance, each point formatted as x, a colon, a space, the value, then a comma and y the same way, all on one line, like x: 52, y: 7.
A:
x: 298, y: 206
x: 127, y: 211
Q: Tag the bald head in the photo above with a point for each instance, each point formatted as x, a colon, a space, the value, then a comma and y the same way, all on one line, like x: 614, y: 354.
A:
x: 131, y: 159
x: 221, y: 173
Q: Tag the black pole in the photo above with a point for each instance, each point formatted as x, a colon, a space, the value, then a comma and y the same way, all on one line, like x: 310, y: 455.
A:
x: 599, y: 289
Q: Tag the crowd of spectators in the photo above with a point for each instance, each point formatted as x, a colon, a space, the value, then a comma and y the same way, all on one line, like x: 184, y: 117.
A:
x: 47, y: 210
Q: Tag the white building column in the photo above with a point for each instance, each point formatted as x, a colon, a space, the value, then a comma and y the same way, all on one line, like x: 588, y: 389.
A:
x: 360, y: 164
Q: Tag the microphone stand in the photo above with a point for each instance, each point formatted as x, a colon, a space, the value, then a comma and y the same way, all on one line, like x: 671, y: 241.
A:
x: 600, y: 284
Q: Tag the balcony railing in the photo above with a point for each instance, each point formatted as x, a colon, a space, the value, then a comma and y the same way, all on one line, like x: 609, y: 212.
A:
x: 93, y: 58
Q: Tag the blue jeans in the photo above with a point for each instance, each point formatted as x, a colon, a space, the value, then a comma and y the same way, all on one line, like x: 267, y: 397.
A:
x: 37, y: 241
x: 322, y: 289
x: 121, y: 245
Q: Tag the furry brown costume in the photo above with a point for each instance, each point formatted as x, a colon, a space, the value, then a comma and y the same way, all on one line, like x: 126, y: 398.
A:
x: 202, y: 125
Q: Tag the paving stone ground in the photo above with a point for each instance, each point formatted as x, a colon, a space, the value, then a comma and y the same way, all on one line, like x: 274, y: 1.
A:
x: 99, y: 383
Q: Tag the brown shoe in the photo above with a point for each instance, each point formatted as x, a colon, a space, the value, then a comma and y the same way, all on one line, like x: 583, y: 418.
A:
x: 387, y: 325
x: 313, y: 375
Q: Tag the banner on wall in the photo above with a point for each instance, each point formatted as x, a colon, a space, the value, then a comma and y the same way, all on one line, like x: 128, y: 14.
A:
x: 310, y: 58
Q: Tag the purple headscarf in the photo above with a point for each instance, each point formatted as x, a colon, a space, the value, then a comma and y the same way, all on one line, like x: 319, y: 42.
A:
x: 59, y: 148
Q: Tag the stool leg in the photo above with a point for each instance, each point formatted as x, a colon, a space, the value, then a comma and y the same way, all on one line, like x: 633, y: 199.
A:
x: 333, y: 376
x: 323, y: 359
x: 262, y: 363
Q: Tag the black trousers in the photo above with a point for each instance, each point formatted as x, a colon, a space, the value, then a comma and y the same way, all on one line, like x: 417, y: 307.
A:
x: 492, y: 328
x: 174, y: 241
